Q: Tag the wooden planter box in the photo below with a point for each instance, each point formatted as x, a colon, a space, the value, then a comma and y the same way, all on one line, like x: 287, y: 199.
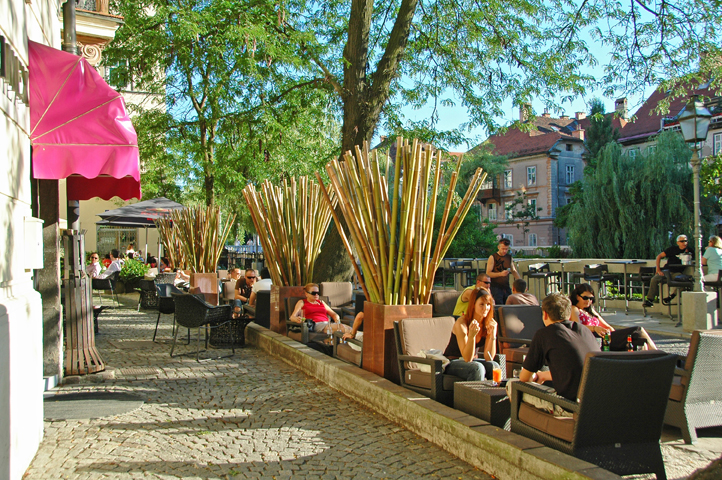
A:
x: 379, y: 350
x: 278, y: 306
x: 208, y: 283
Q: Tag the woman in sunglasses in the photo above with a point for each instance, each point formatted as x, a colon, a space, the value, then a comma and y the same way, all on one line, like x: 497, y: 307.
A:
x: 472, y: 346
x: 583, y: 311
x: 315, y: 309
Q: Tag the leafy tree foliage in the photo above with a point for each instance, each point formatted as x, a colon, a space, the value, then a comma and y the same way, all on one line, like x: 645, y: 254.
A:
x: 599, y: 133
x: 632, y: 206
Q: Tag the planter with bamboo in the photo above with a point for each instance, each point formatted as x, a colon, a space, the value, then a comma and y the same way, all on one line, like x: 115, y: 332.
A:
x: 390, y: 217
x: 291, y: 221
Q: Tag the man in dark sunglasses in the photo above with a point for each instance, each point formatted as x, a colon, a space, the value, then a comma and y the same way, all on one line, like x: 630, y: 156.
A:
x: 482, y: 281
x: 672, y: 254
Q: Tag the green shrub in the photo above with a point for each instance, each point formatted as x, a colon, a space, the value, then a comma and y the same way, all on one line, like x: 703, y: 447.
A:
x: 133, y: 269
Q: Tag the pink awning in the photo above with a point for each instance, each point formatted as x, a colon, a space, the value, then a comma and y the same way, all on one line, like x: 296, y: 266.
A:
x: 80, y: 129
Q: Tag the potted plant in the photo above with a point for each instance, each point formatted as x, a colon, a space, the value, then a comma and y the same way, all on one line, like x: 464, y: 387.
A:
x: 291, y: 221
x: 390, y: 216
x: 132, y: 272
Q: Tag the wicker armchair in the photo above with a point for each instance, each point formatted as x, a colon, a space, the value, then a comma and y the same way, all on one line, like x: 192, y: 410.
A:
x: 108, y: 283
x: 631, y: 390
x: 517, y: 326
x: 166, y: 304
x: 148, y: 295
x: 301, y: 331
x: 443, y: 302
x: 695, y: 400
x: 415, y: 334
x: 191, y: 311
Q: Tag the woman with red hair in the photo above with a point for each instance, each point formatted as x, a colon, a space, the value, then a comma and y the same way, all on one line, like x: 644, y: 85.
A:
x: 472, y: 346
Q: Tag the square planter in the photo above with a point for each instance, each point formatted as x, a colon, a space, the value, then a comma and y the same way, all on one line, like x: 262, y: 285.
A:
x: 379, y: 350
x: 278, y: 305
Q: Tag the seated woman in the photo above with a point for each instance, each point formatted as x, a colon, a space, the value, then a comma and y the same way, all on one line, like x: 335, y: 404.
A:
x: 582, y: 298
x: 316, y: 310
x: 713, y: 258
x: 473, y: 333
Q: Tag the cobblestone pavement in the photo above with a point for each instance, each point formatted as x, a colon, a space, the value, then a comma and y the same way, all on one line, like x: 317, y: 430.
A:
x: 249, y: 416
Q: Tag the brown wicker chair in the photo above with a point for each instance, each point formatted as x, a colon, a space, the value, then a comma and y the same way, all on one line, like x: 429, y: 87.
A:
x: 443, y: 302
x: 301, y: 331
x: 148, y: 295
x: 630, y: 389
x: 517, y: 326
x: 695, y: 400
x: 192, y: 311
x: 415, y: 334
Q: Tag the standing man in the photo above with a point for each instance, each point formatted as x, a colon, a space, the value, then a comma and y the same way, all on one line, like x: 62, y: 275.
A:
x: 672, y: 255
x: 498, y: 267
x: 562, y: 345
x: 93, y: 270
x: 482, y: 281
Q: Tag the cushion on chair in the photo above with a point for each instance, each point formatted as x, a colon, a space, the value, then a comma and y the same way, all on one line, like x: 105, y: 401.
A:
x: 515, y: 355
x: 229, y: 290
x: 338, y: 293
x: 419, y: 334
x: 345, y: 352
x: 519, y: 321
x: 444, y: 302
x: 560, y: 427
x: 417, y: 378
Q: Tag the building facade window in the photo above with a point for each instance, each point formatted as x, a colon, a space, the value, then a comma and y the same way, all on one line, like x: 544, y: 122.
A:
x: 488, y: 183
x: 508, y: 180
x: 532, y: 239
x: 508, y: 208
x: 531, y: 176
x: 509, y: 237
x: 491, y: 212
x: 651, y: 149
x: 717, y: 144
x: 569, y: 147
x: 633, y: 153
x: 532, y: 204
x: 570, y: 174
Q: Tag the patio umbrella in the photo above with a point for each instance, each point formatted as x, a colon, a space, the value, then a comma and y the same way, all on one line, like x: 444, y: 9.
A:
x: 80, y: 129
x: 141, y: 214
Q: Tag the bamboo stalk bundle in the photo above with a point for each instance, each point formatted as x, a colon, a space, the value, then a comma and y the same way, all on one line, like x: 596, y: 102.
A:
x: 196, y: 235
x: 291, y: 221
x: 392, y: 228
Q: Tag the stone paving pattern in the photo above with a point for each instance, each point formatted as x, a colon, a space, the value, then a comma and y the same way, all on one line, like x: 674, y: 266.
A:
x: 248, y: 416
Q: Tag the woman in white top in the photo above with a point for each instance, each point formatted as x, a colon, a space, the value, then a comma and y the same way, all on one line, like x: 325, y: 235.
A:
x: 713, y: 258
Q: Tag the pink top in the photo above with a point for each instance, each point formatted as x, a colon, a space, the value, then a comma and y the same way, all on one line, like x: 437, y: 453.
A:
x: 585, y: 318
x: 314, y: 311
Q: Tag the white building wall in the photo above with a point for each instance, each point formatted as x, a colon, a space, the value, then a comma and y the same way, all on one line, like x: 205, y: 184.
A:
x: 21, y: 362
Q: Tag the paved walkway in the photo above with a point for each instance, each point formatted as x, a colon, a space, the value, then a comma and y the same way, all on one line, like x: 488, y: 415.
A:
x: 249, y: 416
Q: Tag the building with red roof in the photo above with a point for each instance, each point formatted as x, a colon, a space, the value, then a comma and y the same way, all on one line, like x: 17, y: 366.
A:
x: 543, y: 162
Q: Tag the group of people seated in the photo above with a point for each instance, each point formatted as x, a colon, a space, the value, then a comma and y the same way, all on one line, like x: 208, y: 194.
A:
x: 247, y: 287
x: 572, y: 329
x: 112, y: 263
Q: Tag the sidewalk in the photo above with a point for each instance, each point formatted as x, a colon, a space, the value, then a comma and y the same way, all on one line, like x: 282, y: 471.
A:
x: 249, y: 416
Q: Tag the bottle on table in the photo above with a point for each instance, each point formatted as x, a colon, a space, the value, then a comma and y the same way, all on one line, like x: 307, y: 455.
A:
x: 630, y: 345
x: 606, y: 341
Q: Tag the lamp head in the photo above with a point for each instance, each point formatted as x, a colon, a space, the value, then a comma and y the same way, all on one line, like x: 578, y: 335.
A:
x: 694, y: 121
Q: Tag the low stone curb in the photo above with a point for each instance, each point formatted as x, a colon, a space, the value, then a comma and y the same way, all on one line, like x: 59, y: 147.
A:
x: 497, y: 452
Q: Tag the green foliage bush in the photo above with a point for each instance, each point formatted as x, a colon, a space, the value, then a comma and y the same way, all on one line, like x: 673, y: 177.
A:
x: 133, y: 269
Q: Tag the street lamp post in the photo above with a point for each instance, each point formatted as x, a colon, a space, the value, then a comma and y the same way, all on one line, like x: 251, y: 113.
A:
x: 694, y: 122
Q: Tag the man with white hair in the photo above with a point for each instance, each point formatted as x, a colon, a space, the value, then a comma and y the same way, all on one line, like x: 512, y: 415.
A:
x: 672, y: 255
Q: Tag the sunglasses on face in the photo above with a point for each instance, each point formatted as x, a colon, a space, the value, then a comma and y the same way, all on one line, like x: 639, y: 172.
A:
x: 487, y: 282
x: 682, y: 241
x: 251, y: 278
x: 313, y: 293
x: 587, y: 297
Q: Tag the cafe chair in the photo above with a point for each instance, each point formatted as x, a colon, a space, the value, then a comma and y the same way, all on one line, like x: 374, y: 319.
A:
x: 102, y: 284
x: 467, y: 271
x: 517, y: 326
x: 166, y: 305
x: 193, y: 312
x: 302, y: 332
x: 349, y: 350
x: 643, y: 278
x: 599, y: 273
x: 443, y: 302
x: 148, y: 296
x: 679, y: 286
x: 695, y: 400
x: 164, y: 278
x: 541, y: 271
x: 616, y: 422
x: 262, y: 316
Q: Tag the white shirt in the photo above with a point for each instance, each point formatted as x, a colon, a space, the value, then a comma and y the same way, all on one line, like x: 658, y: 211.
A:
x: 113, y: 267
x: 264, y: 284
x: 93, y: 270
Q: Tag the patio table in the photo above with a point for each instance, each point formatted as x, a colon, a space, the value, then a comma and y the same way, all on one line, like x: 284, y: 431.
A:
x: 564, y: 281
x: 625, y: 263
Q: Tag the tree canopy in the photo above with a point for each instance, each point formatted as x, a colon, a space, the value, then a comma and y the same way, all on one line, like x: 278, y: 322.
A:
x: 632, y: 206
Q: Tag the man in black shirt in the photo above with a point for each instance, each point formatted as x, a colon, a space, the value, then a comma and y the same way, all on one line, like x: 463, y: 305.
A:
x: 562, y: 345
x: 672, y: 256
